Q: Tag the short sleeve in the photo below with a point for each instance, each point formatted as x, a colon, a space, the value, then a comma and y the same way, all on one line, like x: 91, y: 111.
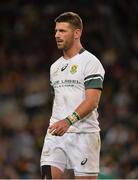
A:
x: 94, y: 74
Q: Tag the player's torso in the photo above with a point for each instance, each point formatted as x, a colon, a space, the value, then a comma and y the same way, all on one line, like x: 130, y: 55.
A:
x: 68, y: 74
x: 67, y: 78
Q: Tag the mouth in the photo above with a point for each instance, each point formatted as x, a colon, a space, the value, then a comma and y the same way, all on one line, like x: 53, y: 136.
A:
x: 59, y: 41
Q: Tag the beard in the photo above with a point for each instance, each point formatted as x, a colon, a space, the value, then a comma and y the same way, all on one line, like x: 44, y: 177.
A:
x: 60, y: 46
x: 64, y: 46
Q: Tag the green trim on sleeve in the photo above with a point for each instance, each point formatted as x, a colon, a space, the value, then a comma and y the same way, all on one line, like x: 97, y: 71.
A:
x: 94, y: 84
x: 93, y: 76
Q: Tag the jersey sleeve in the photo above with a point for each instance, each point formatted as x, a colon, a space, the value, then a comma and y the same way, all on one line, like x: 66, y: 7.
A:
x: 94, y: 75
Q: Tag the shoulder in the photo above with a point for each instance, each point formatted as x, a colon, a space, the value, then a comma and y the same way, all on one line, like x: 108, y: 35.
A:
x: 56, y: 63
x: 90, y: 58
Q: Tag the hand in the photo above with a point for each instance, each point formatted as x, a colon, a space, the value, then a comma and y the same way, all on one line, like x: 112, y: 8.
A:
x: 59, y: 128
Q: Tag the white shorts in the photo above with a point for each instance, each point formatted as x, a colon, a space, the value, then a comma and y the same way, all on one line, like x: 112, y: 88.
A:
x: 77, y: 151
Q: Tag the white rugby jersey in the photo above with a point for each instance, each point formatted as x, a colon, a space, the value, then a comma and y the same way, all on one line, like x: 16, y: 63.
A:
x: 69, y: 79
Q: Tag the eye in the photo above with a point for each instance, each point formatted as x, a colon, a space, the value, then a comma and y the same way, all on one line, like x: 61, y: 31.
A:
x: 62, y: 30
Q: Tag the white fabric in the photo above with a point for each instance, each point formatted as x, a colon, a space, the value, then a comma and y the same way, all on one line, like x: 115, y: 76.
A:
x: 67, y: 78
x: 63, y: 153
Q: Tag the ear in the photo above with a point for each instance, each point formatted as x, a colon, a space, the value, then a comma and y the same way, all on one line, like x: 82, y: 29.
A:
x: 77, y: 33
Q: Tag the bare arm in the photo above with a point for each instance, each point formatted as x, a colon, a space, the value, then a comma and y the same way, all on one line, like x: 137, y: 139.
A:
x: 89, y: 104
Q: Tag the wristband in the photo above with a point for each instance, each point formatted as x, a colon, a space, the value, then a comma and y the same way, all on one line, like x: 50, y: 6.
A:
x: 73, y: 118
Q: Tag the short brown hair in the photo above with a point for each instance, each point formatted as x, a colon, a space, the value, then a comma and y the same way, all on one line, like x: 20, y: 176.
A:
x: 72, y: 18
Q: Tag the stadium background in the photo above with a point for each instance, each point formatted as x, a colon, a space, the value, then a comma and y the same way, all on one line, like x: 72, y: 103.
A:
x: 28, y: 48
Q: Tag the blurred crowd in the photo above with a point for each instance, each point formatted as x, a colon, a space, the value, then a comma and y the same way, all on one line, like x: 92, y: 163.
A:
x: 28, y: 48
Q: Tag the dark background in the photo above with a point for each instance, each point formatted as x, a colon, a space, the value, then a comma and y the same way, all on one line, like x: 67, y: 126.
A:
x: 28, y: 48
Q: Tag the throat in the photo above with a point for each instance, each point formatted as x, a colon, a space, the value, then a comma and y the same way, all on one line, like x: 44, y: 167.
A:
x: 70, y: 54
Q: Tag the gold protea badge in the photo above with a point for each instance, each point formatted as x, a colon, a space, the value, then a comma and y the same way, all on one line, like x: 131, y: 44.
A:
x: 73, y: 69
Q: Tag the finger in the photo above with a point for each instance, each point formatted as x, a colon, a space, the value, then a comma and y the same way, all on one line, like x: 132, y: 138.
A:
x: 51, y: 129
x: 51, y: 126
x: 55, y: 132
x: 52, y: 132
x: 60, y: 132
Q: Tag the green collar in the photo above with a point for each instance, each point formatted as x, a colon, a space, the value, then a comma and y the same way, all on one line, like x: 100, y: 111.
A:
x: 81, y: 50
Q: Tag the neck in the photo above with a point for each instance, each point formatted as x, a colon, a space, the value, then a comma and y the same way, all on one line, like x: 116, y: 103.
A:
x: 72, y: 51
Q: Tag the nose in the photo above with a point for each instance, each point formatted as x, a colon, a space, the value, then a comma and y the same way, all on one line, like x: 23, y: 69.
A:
x: 56, y: 34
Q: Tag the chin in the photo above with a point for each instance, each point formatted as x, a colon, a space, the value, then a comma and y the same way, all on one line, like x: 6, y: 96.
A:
x: 60, y: 48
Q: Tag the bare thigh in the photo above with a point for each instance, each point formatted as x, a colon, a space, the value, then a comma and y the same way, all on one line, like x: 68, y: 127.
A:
x: 67, y: 174
x: 58, y: 174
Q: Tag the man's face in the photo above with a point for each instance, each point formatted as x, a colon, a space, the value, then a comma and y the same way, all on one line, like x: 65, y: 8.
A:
x: 64, y: 35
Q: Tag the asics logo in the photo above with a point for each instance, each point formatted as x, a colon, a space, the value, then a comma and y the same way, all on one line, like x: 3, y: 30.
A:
x: 84, y: 161
x: 64, y: 67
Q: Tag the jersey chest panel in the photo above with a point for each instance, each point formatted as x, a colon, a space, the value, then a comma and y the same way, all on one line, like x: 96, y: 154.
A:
x: 68, y: 75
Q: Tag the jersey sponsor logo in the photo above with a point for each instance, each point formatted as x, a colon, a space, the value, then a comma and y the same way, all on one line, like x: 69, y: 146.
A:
x: 84, y: 161
x: 73, y: 69
x: 64, y: 67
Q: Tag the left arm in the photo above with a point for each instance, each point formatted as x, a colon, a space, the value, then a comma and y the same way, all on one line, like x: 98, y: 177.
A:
x: 92, y: 97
